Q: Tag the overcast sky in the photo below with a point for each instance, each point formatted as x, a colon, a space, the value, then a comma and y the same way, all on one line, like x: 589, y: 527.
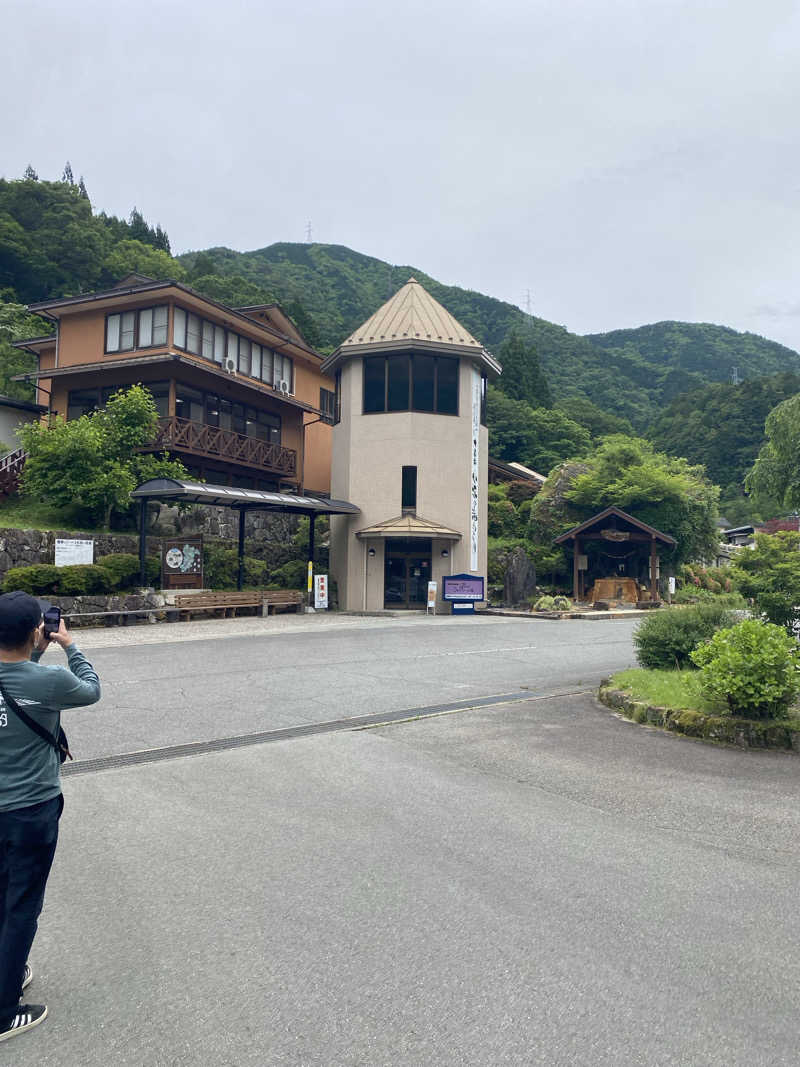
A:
x: 626, y: 161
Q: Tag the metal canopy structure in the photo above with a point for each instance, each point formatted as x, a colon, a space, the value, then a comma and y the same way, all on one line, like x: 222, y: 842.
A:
x: 241, y: 500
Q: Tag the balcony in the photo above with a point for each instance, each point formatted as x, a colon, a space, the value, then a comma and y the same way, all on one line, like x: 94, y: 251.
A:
x: 212, y: 442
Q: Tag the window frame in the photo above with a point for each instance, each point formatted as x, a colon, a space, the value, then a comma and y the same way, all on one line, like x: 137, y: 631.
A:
x: 409, y: 354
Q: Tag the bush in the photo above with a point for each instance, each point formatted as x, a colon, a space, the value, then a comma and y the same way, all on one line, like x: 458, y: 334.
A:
x: 221, y: 569
x: 562, y: 603
x: 38, y: 579
x: 124, y: 569
x: 292, y: 575
x: 752, y: 667
x: 545, y: 603
x: 666, y: 638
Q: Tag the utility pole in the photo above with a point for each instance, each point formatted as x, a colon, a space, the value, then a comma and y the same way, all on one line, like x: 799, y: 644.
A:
x: 735, y: 380
x: 528, y: 304
x: 308, y: 232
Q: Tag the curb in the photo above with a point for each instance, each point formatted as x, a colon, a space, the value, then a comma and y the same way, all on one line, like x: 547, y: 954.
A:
x: 742, y: 733
x: 585, y: 616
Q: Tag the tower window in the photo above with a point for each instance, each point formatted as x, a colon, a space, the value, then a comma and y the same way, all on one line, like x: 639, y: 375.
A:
x: 409, y: 490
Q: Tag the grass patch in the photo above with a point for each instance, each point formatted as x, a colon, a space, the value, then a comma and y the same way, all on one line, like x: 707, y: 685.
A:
x: 665, y: 689
x: 20, y: 514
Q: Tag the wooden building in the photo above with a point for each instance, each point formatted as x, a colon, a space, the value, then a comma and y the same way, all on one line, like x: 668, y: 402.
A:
x: 240, y: 394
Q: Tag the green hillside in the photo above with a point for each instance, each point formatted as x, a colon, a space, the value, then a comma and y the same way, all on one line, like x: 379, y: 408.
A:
x: 633, y: 373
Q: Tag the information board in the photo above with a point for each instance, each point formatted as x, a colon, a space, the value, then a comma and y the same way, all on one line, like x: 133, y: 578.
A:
x: 70, y: 551
x: 462, y: 587
x: 182, y: 563
x: 321, y: 592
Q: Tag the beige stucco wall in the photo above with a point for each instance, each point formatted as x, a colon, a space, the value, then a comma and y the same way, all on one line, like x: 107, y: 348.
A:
x: 369, y: 452
x: 10, y: 421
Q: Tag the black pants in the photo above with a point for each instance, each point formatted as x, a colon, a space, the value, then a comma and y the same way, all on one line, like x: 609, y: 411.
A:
x: 28, y: 839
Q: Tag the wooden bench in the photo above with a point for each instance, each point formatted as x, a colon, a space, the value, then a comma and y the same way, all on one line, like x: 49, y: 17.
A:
x: 187, y: 603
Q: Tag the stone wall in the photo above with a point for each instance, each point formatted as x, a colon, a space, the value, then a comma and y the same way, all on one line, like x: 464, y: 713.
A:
x: 22, y: 548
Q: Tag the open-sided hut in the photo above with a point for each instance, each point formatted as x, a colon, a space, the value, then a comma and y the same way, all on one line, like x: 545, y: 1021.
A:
x: 615, y: 557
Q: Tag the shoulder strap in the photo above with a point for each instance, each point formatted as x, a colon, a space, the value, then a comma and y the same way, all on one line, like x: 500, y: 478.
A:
x: 29, y: 722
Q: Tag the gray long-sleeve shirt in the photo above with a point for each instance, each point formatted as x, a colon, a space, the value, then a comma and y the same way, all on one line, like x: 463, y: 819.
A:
x: 30, y: 769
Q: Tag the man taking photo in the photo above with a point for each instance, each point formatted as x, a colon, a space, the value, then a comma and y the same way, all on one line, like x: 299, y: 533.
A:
x: 30, y: 785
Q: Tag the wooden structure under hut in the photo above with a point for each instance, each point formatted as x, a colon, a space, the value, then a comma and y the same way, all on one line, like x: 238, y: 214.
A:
x: 615, y: 558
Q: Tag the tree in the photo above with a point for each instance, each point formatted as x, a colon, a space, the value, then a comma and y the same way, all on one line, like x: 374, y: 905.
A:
x: 15, y: 325
x: 599, y: 423
x: 134, y: 257
x: 522, y: 377
x: 770, y: 574
x: 67, y: 176
x: 776, y: 472
x: 82, y: 189
x: 91, y: 462
x: 30, y: 174
x: 627, y: 472
x: 537, y: 437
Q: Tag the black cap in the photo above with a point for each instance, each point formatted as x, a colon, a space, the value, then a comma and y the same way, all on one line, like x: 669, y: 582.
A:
x: 19, y: 614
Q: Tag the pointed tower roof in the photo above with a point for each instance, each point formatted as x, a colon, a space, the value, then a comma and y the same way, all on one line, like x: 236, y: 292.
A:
x: 411, y: 319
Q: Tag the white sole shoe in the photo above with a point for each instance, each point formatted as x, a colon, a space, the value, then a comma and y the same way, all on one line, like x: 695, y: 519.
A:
x: 28, y: 1016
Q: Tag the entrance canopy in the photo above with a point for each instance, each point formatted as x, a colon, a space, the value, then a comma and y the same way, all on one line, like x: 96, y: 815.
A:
x: 616, y: 528
x: 242, y: 500
x: 410, y: 526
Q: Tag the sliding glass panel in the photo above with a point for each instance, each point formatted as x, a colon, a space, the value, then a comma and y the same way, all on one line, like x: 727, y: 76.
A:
x: 179, y: 328
x: 447, y: 386
x: 237, y: 419
x: 193, y: 334
x: 160, y: 315
x: 233, y: 349
x: 112, y: 333
x: 219, y: 344
x: 374, y: 384
x: 244, y: 356
x: 208, y: 341
x: 250, y: 421
x: 126, y: 331
x: 255, y: 361
x: 225, y: 414
x: 145, y: 328
x: 269, y: 427
x: 212, y: 409
x: 267, y: 365
x: 81, y: 402
x: 160, y: 394
x: 189, y: 403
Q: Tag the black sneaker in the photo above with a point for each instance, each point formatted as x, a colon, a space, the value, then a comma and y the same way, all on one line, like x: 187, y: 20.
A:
x: 28, y: 1016
x: 28, y: 976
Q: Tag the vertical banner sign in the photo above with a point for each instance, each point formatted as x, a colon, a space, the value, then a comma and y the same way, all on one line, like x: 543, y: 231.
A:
x: 432, y: 586
x: 475, y: 494
x: 321, y: 592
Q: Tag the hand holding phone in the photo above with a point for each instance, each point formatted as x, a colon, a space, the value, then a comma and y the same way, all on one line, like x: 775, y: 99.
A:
x: 52, y: 622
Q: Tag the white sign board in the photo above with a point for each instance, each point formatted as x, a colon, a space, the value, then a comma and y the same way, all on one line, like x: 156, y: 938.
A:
x: 321, y: 592
x: 672, y: 587
x: 69, y: 552
x: 432, y: 586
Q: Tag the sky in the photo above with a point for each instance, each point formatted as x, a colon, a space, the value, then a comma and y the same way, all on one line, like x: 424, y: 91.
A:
x: 614, y: 163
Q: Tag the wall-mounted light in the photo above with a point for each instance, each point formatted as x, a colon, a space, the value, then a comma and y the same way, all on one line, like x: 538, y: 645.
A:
x: 445, y: 553
x: 371, y: 552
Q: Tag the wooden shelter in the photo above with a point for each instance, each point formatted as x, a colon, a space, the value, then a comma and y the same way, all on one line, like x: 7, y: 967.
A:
x: 626, y: 538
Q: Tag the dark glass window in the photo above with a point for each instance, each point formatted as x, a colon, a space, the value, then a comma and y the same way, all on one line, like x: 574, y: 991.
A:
x: 189, y: 403
x: 327, y: 405
x: 447, y: 386
x: 397, y: 378
x: 374, y: 384
x: 212, y: 409
x: 225, y: 417
x: 269, y: 427
x: 82, y: 402
x: 237, y: 419
x: 250, y: 421
x: 409, y: 489
x: 160, y: 394
x: 424, y: 379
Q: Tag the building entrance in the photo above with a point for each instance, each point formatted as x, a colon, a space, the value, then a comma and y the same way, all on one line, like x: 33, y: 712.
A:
x: 407, y: 572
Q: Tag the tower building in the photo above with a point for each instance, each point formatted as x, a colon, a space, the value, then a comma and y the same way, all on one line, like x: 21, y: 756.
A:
x: 410, y: 449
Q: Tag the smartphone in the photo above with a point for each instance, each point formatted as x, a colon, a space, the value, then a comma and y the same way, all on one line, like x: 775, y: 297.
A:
x: 52, y: 621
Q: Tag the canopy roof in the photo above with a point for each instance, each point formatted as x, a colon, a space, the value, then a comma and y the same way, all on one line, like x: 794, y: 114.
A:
x: 232, y: 497
x: 410, y: 526
x: 608, y: 523
x: 411, y: 319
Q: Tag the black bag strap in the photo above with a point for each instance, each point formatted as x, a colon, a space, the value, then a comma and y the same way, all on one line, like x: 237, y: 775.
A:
x: 37, y: 727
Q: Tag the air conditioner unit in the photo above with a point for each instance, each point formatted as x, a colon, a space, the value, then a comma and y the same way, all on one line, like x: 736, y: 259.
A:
x: 284, y: 387
x: 230, y: 365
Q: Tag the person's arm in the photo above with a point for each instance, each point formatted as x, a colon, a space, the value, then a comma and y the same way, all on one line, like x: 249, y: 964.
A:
x: 78, y: 685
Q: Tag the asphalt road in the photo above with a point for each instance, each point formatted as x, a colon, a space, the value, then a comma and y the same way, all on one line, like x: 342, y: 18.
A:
x: 537, y: 882
x: 166, y: 685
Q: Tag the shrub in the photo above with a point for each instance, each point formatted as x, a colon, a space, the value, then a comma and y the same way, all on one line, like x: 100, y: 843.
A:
x: 562, y: 603
x: 38, y: 579
x: 221, y: 568
x: 753, y: 667
x: 545, y: 603
x: 124, y: 568
x: 666, y: 638
x: 292, y: 575
x: 83, y: 578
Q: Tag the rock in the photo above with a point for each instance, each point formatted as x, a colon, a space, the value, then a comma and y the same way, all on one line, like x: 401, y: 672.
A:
x: 519, y: 581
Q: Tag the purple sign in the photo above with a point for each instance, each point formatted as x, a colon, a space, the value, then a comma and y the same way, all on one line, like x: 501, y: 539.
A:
x: 462, y: 587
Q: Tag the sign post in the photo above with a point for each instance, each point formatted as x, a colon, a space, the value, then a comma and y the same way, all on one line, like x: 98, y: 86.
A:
x: 182, y: 563
x: 432, y: 588
x: 462, y: 590
x: 321, y: 592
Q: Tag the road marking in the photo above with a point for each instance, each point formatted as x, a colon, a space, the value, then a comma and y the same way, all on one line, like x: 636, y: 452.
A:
x: 358, y: 722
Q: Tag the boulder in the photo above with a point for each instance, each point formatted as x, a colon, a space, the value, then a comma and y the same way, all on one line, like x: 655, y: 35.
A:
x: 519, y: 581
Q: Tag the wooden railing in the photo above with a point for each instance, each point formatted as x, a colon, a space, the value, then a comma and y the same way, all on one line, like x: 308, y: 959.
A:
x: 10, y: 471
x: 183, y: 435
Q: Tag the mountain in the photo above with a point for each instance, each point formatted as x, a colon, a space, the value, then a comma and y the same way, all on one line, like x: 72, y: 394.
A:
x: 634, y: 373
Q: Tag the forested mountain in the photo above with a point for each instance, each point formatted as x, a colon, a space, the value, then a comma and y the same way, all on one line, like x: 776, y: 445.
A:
x: 632, y: 373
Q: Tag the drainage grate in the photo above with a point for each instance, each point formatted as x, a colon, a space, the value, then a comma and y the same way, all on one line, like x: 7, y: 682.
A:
x: 359, y: 722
